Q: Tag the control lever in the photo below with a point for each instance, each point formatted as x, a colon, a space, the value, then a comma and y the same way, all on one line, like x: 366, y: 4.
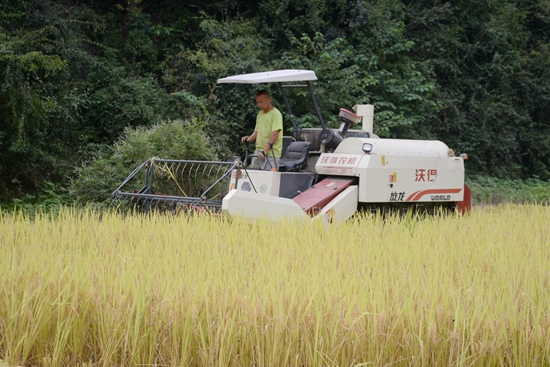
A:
x: 274, y: 160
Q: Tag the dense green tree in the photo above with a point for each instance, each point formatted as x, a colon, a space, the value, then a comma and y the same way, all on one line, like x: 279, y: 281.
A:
x: 74, y: 75
x: 226, y: 48
x: 491, y: 71
x: 281, y: 20
x: 351, y: 75
x: 42, y: 60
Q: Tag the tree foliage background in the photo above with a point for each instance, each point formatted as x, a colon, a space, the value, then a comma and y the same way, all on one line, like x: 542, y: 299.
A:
x: 76, y: 75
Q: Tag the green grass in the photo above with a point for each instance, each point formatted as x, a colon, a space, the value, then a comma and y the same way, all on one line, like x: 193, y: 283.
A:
x: 493, y: 191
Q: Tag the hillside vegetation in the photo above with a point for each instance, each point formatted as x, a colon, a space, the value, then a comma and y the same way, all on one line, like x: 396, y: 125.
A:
x: 75, y: 75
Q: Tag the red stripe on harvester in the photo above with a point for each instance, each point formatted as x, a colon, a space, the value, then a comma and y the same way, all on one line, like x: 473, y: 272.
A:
x: 411, y: 195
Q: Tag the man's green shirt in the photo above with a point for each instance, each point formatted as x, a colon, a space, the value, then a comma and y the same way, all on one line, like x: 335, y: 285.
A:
x: 266, y: 123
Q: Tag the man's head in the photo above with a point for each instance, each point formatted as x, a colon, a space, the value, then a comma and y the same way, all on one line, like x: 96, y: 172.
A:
x: 263, y: 101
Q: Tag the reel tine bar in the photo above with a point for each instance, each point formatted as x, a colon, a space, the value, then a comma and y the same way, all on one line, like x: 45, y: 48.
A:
x: 175, y: 186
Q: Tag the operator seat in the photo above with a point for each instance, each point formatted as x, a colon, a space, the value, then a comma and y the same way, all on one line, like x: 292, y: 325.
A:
x: 295, y: 157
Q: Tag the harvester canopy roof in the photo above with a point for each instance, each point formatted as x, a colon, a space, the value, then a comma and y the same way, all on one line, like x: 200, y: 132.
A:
x: 275, y: 76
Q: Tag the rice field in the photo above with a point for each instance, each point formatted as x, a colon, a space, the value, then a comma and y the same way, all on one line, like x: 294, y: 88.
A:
x: 80, y: 289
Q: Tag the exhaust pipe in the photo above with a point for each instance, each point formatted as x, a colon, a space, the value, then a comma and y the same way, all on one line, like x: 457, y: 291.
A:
x: 366, y: 111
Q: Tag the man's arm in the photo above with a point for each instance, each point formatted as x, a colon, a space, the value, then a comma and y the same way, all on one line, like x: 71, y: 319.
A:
x: 272, y: 138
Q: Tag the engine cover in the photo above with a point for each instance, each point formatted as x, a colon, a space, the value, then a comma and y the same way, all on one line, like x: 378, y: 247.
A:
x: 392, y: 170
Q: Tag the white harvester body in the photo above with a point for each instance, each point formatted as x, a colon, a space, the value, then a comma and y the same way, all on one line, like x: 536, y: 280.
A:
x: 397, y: 170
x: 383, y: 172
x: 391, y: 171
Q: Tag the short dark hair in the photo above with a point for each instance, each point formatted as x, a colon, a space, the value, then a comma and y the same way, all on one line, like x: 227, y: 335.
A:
x: 263, y: 92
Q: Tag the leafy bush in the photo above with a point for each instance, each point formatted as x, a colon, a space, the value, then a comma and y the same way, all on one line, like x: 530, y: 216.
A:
x: 491, y: 190
x: 51, y: 199
x: 97, y: 179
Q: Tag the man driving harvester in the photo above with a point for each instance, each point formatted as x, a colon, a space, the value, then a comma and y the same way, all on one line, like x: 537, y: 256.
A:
x: 267, y: 133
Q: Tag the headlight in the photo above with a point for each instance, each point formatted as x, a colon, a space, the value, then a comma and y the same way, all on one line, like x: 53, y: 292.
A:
x: 367, y: 147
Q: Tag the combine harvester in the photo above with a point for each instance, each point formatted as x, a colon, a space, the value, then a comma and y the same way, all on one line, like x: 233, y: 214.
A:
x: 324, y: 173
